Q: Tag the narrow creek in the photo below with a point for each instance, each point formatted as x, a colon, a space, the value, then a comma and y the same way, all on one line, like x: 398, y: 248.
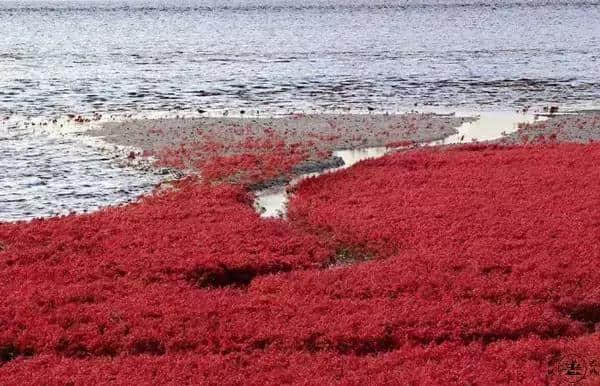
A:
x: 488, y: 126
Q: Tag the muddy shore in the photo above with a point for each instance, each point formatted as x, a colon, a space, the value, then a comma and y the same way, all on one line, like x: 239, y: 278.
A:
x: 320, y: 134
x: 335, y: 131
x: 325, y: 133
x: 582, y: 127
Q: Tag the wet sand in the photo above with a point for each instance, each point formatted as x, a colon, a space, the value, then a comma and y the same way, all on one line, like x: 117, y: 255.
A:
x: 335, y: 131
x: 321, y: 134
x: 582, y: 127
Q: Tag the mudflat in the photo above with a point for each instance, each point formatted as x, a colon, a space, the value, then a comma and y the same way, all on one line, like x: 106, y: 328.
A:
x: 338, y: 131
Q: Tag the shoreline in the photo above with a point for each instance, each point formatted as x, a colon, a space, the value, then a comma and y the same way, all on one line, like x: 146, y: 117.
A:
x: 317, y: 135
x: 175, y: 131
x: 137, y: 143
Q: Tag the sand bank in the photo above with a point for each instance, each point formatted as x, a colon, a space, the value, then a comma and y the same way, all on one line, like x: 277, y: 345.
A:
x: 335, y: 131
x: 319, y: 134
x: 582, y: 127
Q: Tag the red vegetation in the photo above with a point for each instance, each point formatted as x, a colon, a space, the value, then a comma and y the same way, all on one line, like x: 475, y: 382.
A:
x: 244, y: 162
x: 147, y: 279
x: 472, y: 265
x: 483, y: 244
x: 250, y: 152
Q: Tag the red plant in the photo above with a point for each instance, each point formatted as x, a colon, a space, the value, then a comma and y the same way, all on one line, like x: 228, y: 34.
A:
x: 470, y: 265
x: 247, y: 161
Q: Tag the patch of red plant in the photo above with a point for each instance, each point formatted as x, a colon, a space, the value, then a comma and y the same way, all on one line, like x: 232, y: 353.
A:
x: 151, y: 278
x: 242, y: 162
x: 472, y: 265
x: 480, y: 243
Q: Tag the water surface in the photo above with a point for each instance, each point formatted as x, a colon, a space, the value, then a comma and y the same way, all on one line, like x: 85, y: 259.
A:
x: 82, y: 56
x: 163, y: 56
x: 46, y: 175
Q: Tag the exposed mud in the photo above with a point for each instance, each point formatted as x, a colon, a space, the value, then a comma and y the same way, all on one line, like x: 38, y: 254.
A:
x: 582, y: 127
x: 348, y: 131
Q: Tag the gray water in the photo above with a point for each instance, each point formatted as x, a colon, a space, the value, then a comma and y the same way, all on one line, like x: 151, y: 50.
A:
x: 47, y: 175
x: 81, y: 56
x: 122, y: 57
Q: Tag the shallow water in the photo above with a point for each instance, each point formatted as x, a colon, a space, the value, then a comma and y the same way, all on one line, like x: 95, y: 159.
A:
x: 272, y: 202
x: 488, y: 126
x: 45, y: 175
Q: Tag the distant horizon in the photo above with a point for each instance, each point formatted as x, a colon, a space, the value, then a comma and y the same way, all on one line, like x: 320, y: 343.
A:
x: 192, y: 3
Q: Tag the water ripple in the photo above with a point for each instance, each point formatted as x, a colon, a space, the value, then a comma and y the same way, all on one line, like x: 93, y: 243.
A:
x: 45, y: 176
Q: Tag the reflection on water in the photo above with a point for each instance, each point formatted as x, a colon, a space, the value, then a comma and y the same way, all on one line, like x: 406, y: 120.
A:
x: 488, y: 126
x: 354, y: 156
